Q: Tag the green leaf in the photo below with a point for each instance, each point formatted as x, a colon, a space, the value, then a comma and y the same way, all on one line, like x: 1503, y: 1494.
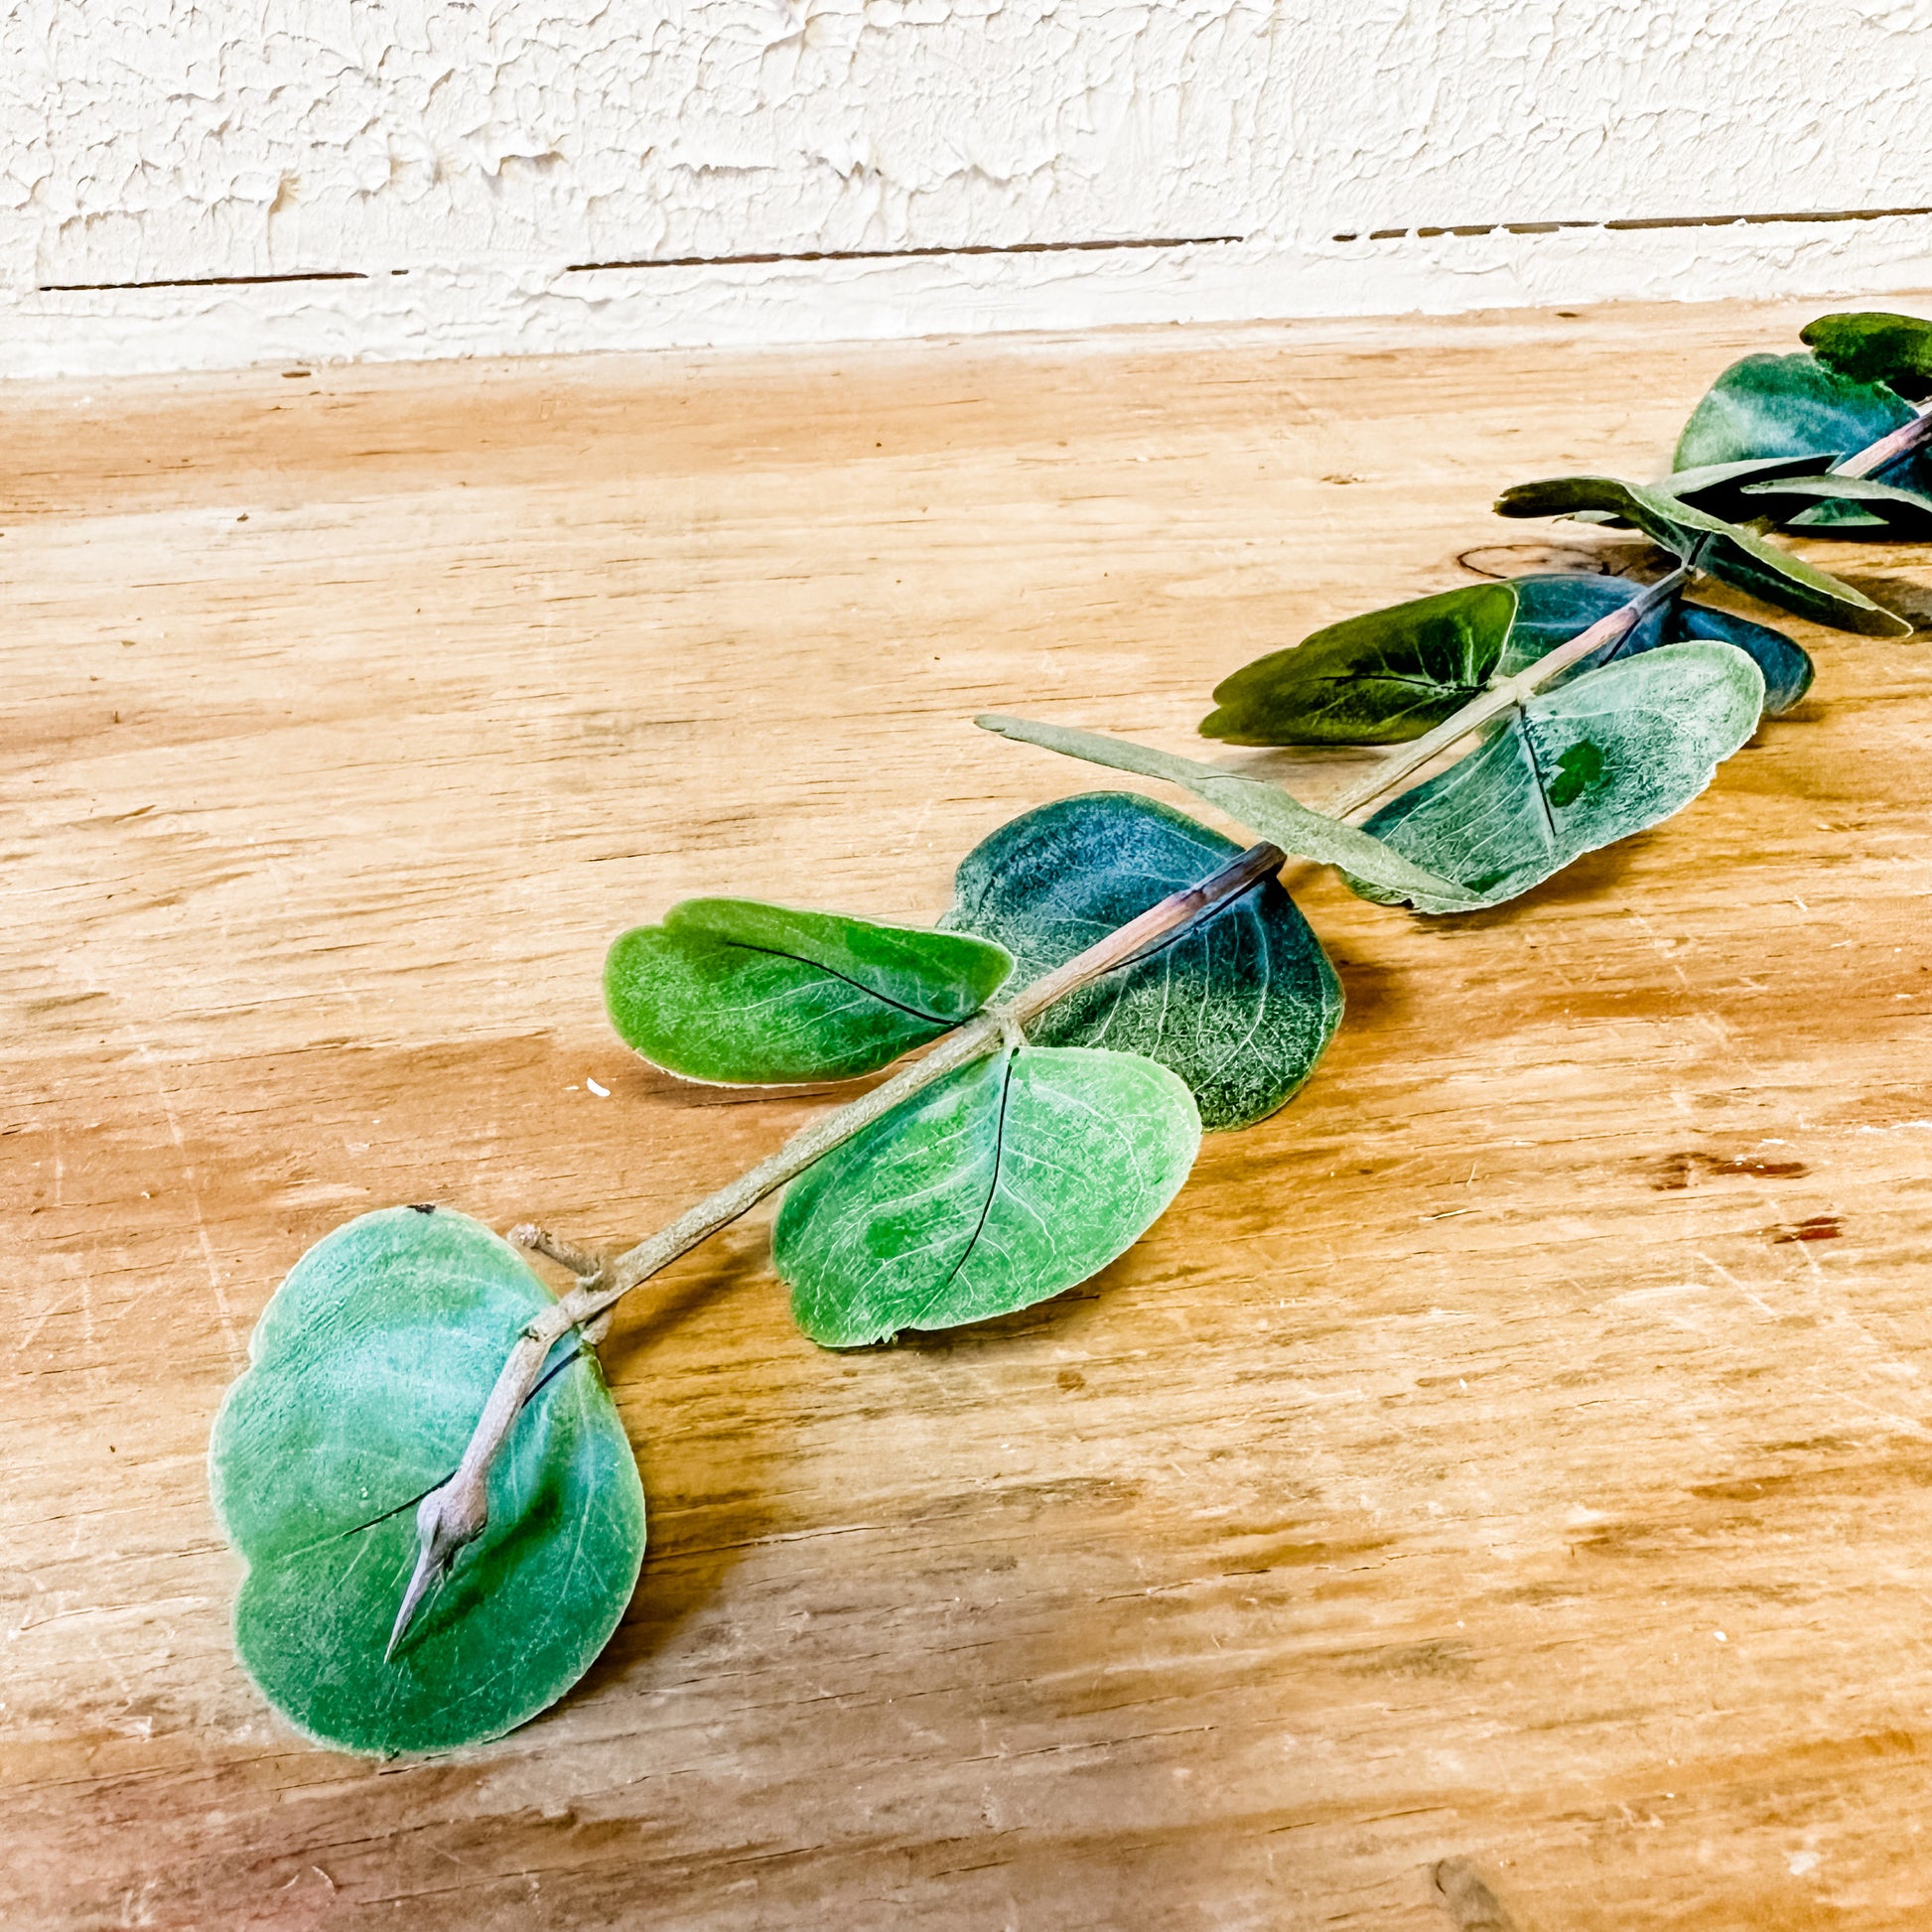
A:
x: 1005, y: 1184
x: 1786, y: 405
x: 1729, y: 552
x: 1796, y: 499
x: 737, y: 991
x: 1787, y: 669
x: 1267, y: 810
x: 1553, y: 607
x: 1240, y: 1005
x: 367, y: 1374
x: 1872, y: 345
x: 1375, y: 679
x: 1576, y: 769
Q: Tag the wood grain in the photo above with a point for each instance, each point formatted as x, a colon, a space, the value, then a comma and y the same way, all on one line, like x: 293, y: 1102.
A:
x: 1499, y: 1491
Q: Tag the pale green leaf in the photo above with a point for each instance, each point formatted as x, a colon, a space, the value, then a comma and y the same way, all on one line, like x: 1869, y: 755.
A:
x: 1576, y: 769
x: 1786, y: 405
x: 367, y: 1374
x: 1006, y: 1182
x: 1240, y: 1004
x: 738, y: 991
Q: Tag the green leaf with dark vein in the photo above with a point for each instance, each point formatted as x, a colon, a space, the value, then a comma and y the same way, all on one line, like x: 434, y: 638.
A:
x: 735, y: 991
x: 1729, y: 552
x: 367, y: 1374
x: 1576, y: 769
x: 1266, y: 809
x: 1375, y: 679
x: 1786, y: 405
x: 1003, y: 1183
x: 1240, y: 1005
x: 1874, y: 345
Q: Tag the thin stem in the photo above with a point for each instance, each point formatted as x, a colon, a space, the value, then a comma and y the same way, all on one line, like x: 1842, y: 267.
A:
x: 458, y: 1511
x: 1887, y: 449
x: 1506, y: 694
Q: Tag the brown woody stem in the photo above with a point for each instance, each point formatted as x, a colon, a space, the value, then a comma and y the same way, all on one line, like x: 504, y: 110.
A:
x: 458, y: 1511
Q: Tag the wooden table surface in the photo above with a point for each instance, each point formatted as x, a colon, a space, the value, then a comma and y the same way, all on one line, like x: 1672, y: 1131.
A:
x: 1514, y: 1454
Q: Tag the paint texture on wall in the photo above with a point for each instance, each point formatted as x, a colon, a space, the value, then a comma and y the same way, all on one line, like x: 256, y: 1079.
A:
x: 421, y: 176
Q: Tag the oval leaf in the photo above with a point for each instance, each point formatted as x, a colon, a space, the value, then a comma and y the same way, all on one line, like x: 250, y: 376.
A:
x: 1786, y: 405
x: 1786, y: 667
x: 1577, y: 768
x: 734, y: 991
x: 1875, y: 346
x: 1240, y: 1005
x: 1376, y: 679
x: 367, y: 1374
x: 1002, y: 1185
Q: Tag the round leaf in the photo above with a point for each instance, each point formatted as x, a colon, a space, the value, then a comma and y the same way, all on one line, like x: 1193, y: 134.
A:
x: 367, y: 1374
x: 1240, y: 1005
x: 1875, y: 346
x: 1786, y: 667
x: 1376, y: 679
x: 1576, y: 769
x: 1786, y: 405
x: 737, y: 991
x: 1001, y: 1185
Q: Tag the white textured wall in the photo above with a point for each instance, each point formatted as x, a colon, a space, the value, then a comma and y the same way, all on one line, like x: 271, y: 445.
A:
x: 470, y: 169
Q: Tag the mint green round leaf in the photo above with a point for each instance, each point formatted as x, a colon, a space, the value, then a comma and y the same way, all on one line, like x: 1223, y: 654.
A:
x: 367, y: 1374
x: 1786, y: 405
x: 1786, y: 667
x: 1875, y: 346
x: 1729, y: 552
x: 1241, y: 1005
x: 1577, y: 768
x: 733, y: 990
x: 1376, y: 679
x: 1002, y: 1185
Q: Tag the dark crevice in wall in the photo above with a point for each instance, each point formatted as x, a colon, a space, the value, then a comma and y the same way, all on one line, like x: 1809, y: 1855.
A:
x: 204, y: 282
x: 1635, y: 222
x: 909, y: 254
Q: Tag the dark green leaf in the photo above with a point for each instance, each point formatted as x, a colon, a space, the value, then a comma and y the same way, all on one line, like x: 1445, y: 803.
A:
x: 1577, y: 767
x: 1875, y: 346
x: 738, y: 991
x: 1786, y: 405
x: 367, y: 1374
x: 1796, y: 500
x: 1266, y: 809
x: 1375, y: 679
x: 1729, y: 552
x: 1006, y: 1182
x: 1787, y: 669
x: 1240, y: 1005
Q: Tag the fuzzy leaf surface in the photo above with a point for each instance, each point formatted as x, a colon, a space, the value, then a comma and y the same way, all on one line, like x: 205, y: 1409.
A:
x: 734, y: 990
x: 1786, y: 666
x: 367, y: 1374
x: 1240, y: 1005
x: 1577, y: 767
x: 1001, y: 1185
x: 1730, y: 553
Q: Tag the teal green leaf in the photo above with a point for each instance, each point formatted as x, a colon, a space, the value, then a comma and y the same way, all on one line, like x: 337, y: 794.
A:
x: 1872, y: 346
x: 1553, y: 607
x: 1729, y: 552
x: 1240, y: 1005
x: 367, y: 1374
x: 1375, y: 679
x: 733, y: 990
x: 1786, y: 667
x: 1786, y: 405
x: 1005, y: 1184
x: 1576, y: 769
x: 1266, y: 809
